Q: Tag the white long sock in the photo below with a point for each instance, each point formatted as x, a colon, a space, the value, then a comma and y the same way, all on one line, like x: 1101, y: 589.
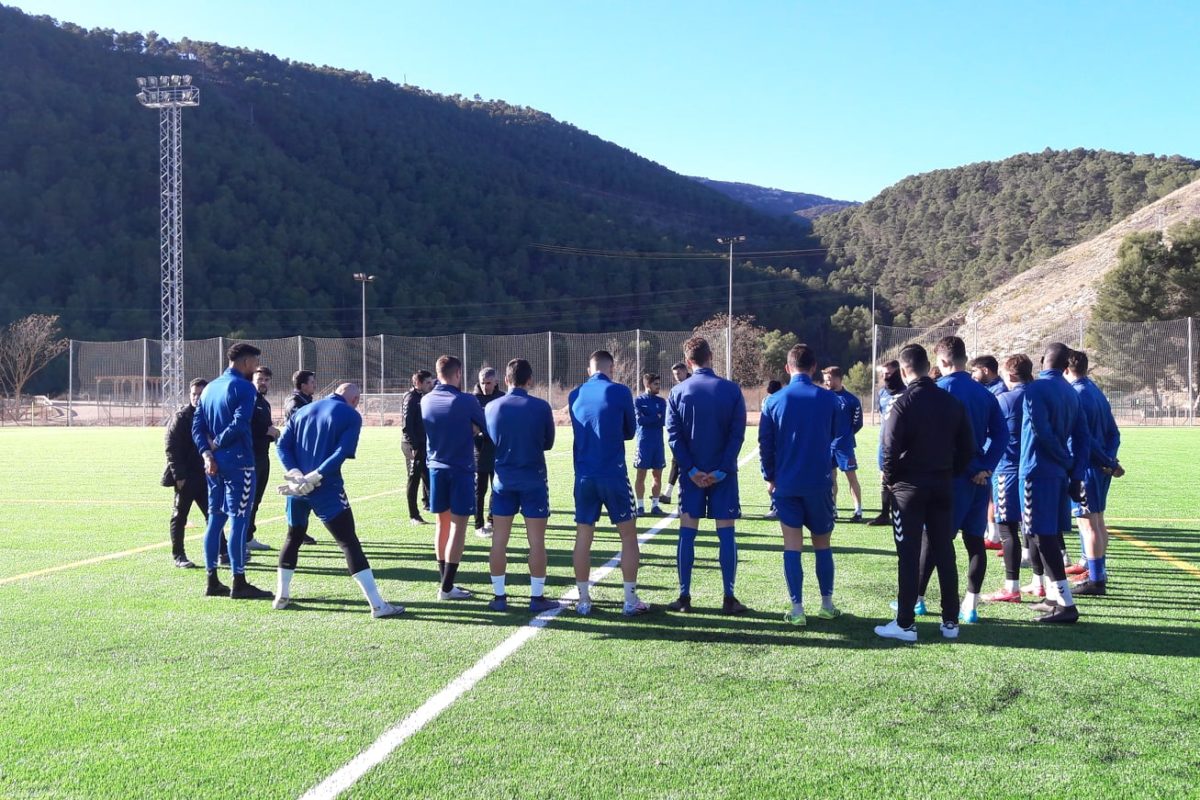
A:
x: 284, y: 584
x: 1024, y: 553
x: 970, y: 601
x: 630, y: 592
x: 582, y: 586
x: 537, y: 586
x: 1012, y: 586
x: 498, y: 585
x: 366, y: 582
x: 1064, y: 592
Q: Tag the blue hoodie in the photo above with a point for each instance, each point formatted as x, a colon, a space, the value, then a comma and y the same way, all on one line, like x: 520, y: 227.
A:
x: 448, y: 415
x: 1054, y: 434
x: 987, y: 421
x: 1105, y: 438
x: 603, y: 419
x: 223, y: 415
x: 706, y: 423
x: 795, y: 433
x: 522, y: 428
x: 1012, y: 406
x: 321, y: 436
x: 851, y: 409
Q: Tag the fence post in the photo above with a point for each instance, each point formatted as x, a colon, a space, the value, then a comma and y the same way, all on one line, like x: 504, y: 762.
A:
x: 71, y: 379
x: 465, y: 369
x: 381, y: 372
x: 1191, y: 369
x: 1081, y: 333
x: 874, y: 362
x: 220, y: 354
x: 299, y: 352
x: 145, y: 377
x: 637, y: 377
x: 550, y: 367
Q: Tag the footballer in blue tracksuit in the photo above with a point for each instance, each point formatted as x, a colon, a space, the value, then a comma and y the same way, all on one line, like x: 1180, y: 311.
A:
x: 603, y: 419
x: 452, y: 418
x: 649, y: 454
x: 315, y: 443
x: 706, y: 425
x: 972, y: 489
x: 1006, y: 481
x: 522, y: 429
x: 842, y: 450
x: 795, y: 433
x: 1054, y: 459
x: 221, y: 431
x: 1103, y: 466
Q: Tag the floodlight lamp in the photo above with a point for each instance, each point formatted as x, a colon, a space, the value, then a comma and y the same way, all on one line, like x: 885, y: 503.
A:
x: 187, y: 80
x: 152, y: 81
x: 141, y: 83
x: 164, y: 80
x: 174, y: 80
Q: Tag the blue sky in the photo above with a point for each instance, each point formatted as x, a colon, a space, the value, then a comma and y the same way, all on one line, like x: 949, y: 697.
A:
x: 837, y: 98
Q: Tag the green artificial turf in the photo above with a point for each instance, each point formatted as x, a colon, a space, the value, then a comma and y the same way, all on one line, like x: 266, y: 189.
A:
x: 117, y: 679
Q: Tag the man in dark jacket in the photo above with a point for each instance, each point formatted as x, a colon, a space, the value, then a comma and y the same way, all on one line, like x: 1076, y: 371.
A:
x: 487, y: 390
x: 413, y: 444
x: 927, y: 440
x: 185, y: 472
x: 264, y: 433
x: 304, y: 386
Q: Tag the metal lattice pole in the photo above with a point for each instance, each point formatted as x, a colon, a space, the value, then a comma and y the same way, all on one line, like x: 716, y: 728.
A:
x: 169, y: 94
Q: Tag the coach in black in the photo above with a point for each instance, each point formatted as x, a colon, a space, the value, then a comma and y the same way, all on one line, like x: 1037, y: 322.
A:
x: 263, y: 432
x: 487, y: 390
x: 185, y: 472
x: 304, y: 386
x: 413, y: 443
x: 927, y: 440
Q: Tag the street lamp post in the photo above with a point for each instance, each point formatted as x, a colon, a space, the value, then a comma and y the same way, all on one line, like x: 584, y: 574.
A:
x: 729, y: 240
x: 364, y: 279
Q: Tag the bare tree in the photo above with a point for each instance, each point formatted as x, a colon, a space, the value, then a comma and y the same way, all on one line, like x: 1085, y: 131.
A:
x: 748, y: 367
x: 26, y: 346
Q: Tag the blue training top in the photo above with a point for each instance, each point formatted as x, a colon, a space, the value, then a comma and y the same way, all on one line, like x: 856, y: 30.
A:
x: 852, y: 420
x: 996, y: 387
x: 1105, y: 438
x: 223, y: 415
x: 987, y: 422
x: 321, y: 436
x: 1012, y: 406
x: 522, y: 428
x: 1054, y: 435
x: 706, y: 423
x: 795, y: 433
x: 448, y: 415
x: 651, y: 412
x: 603, y: 419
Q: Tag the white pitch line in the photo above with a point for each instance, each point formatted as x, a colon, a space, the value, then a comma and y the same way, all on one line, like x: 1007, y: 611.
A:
x: 431, y: 709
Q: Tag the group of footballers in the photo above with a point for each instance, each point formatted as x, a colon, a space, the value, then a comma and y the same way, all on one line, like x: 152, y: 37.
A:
x: 806, y: 435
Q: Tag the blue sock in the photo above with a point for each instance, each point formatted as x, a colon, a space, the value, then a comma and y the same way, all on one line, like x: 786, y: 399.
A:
x: 793, y: 573
x: 727, y: 556
x: 1101, y: 568
x: 238, y: 528
x: 212, y: 539
x: 824, y: 560
x: 685, y: 554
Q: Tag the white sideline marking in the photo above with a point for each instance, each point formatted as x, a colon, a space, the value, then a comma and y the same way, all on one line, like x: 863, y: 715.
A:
x: 431, y: 709
x: 144, y: 548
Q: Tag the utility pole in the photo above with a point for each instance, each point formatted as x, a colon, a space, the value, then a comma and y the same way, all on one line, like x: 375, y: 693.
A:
x: 731, y: 241
x: 364, y: 279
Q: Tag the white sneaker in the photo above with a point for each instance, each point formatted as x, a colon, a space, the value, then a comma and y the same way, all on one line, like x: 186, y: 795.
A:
x: 457, y: 593
x: 950, y: 630
x: 255, y: 544
x: 482, y: 533
x: 281, y: 603
x: 893, y: 631
x: 583, y: 607
x: 488, y: 527
x: 635, y: 609
x: 386, y: 610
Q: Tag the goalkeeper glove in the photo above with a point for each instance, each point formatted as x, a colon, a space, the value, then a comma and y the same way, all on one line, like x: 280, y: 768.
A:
x: 313, y: 478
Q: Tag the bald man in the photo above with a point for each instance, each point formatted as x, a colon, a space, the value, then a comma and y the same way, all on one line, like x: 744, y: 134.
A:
x: 315, y: 443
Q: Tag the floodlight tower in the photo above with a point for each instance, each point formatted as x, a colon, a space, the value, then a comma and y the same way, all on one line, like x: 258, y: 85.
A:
x: 170, y: 93
x: 731, y: 241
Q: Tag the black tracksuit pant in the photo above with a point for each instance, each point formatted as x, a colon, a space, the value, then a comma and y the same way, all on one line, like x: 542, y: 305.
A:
x: 262, y: 471
x: 418, y: 478
x: 194, y: 490
x: 923, y: 509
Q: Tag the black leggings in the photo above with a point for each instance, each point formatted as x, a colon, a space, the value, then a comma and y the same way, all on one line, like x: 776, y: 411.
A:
x: 1047, y: 551
x: 976, y: 564
x: 1010, y: 538
x: 341, y: 528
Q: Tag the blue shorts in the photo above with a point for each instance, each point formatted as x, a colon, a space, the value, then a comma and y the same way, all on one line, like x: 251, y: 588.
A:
x: 328, y: 500
x: 970, y: 508
x: 1006, y: 497
x: 231, y: 492
x: 813, y: 511
x: 452, y: 490
x: 533, y: 503
x: 843, y: 459
x: 296, y: 510
x: 649, y: 452
x: 1095, y: 494
x: 719, y: 501
x: 1046, y: 507
x: 614, y: 494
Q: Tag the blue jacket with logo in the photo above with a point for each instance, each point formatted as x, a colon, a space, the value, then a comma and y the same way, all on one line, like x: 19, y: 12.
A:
x: 1054, y: 434
x: 852, y: 420
x: 1012, y: 406
x: 795, y: 433
x: 522, y: 428
x: 603, y: 419
x: 1105, y: 438
x: 987, y: 422
x: 448, y: 415
x: 321, y: 436
x: 223, y: 415
x: 706, y: 423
